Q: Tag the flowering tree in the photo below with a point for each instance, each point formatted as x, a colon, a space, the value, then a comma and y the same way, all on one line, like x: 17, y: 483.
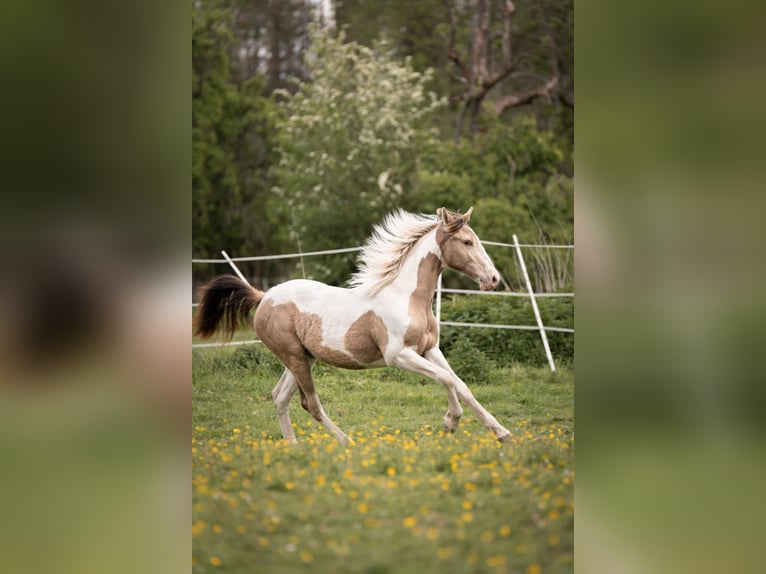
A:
x: 349, y: 144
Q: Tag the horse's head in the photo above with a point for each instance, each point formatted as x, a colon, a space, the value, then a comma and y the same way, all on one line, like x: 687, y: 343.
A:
x: 462, y: 250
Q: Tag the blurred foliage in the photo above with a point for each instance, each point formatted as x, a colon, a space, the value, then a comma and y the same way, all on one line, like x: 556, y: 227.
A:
x: 232, y: 132
x: 348, y: 145
x: 356, y: 133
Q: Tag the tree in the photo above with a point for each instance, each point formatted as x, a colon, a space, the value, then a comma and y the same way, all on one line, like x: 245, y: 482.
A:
x: 270, y: 38
x: 232, y: 127
x: 349, y: 145
x: 490, y: 60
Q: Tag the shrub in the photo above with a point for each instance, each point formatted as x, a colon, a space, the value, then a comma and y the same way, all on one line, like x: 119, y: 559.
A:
x: 507, y: 346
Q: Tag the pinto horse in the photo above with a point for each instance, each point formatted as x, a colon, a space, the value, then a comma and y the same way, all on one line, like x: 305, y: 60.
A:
x: 384, y: 319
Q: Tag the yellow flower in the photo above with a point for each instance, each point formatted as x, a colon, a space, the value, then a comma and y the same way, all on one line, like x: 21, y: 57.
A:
x: 533, y: 569
x: 432, y: 534
x: 410, y: 521
x: 553, y: 540
x: 215, y: 561
x: 467, y: 504
x: 391, y: 471
x: 444, y: 553
x: 289, y: 485
x: 505, y: 530
x: 362, y: 508
x: 321, y: 480
x: 306, y: 556
x: 217, y: 528
x: 469, y: 486
x: 466, y: 517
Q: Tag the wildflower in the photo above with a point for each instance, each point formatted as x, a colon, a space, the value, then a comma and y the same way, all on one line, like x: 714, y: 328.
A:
x: 362, y: 507
x: 553, y: 540
x: 215, y: 561
x: 410, y: 521
x: 533, y: 569
x: 391, y: 471
x: 289, y: 485
x: 306, y: 556
x: 321, y: 480
x: 466, y: 517
x: 469, y: 486
x: 505, y: 530
x: 444, y: 553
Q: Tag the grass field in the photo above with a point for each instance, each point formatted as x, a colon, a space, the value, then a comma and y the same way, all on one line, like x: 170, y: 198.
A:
x: 405, y: 498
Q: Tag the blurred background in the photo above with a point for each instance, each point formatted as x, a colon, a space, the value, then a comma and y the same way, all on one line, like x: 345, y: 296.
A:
x: 313, y: 119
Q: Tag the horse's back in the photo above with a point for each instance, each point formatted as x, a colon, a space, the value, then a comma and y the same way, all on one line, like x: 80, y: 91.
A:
x: 304, y: 292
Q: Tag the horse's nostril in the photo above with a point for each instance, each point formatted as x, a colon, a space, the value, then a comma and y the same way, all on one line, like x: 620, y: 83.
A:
x: 495, y: 280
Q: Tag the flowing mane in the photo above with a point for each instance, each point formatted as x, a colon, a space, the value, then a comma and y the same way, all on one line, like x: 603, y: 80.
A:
x: 384, y: 252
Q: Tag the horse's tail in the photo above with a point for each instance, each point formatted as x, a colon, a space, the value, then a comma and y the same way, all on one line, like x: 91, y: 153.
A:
x: 224, y: 304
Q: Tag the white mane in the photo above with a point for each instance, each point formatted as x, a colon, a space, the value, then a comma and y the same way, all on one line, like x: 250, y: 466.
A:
x: 384, y: 253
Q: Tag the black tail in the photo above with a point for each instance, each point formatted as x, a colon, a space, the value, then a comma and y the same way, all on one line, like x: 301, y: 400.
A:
x: 224, y: 303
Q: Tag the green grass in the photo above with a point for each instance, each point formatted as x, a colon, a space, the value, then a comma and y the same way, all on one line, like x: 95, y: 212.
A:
x: 405, y: 498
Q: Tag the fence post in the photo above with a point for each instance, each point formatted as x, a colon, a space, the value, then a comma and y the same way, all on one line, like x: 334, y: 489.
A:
x: 534, y: 305
x: 439, y: 300
x: 236, y: 269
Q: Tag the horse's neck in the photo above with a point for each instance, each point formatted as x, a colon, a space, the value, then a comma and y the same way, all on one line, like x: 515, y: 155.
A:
x: 422, y: 268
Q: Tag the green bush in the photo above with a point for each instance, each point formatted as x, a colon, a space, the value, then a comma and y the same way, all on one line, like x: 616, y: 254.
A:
x: 504, y: 347
x: 472, y: 364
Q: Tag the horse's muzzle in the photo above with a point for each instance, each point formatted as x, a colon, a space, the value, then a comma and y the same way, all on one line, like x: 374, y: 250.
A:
x: 489, y: 282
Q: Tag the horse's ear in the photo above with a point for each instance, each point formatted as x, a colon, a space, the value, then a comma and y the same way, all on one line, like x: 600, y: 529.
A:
x: 467, y: 214
x: 451, y: 222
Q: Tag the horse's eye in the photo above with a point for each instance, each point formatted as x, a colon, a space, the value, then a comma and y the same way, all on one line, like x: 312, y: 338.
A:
x: 467, y: 242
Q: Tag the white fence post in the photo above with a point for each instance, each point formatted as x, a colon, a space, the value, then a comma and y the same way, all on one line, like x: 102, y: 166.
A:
x: 439, y: 299
x: 236, y: 269
x: 534, y: 305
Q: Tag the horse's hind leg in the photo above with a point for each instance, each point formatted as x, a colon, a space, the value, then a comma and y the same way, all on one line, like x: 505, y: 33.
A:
x: 283, y: 392
x: 310, y: 399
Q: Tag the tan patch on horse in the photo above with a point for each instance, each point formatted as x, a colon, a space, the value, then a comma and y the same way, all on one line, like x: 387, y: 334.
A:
x: 292, y: 335
x: 367, y: 338
x: 423, y: 331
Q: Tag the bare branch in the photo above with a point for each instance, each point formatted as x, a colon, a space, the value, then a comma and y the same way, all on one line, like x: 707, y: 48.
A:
x: 452, y: 53
x: 524, y: 98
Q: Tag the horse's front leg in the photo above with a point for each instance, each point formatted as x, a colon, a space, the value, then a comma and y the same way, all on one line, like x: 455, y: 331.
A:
x: 409, y: 360
x: 436, y: 357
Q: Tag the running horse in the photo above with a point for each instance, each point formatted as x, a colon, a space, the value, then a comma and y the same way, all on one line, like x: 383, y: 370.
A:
x: 384, y: 318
